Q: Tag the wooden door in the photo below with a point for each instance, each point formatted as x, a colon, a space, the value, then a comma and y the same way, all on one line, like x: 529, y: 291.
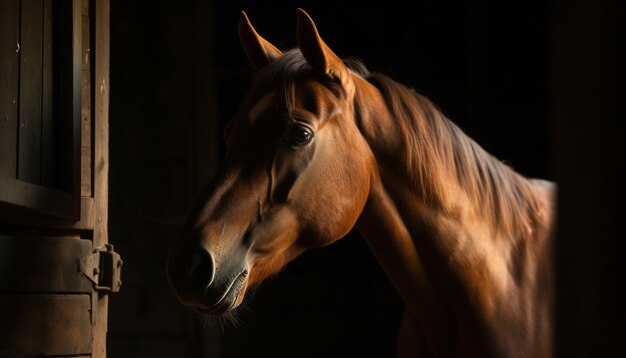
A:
x: 56, y: 268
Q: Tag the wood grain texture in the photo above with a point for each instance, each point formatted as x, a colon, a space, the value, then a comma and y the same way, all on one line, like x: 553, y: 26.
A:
x: 86, y: 126
x: 101, y: 161
x: 44, y: 325
x: 37, y: 264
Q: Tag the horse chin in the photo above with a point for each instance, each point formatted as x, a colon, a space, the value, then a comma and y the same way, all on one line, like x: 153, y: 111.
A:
x: 231, y: 299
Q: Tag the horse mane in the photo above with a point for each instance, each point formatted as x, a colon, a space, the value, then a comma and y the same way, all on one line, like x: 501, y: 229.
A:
x: 437, y: 153
x: 435, y: 150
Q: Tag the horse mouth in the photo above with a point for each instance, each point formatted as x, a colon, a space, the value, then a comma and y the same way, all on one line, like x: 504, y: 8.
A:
x: 228, y: 299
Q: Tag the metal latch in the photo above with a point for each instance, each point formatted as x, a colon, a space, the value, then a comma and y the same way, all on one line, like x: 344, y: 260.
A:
x: 104, y: 269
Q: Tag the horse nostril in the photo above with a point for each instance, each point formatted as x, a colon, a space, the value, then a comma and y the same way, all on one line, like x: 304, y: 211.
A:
x: 202, y: 269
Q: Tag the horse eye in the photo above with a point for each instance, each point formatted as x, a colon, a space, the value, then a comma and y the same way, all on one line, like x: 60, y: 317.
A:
x: 299, y: 136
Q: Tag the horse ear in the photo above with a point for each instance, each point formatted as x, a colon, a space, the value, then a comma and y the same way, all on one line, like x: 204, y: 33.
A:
x: 258, y: 50
x: 315, y: 50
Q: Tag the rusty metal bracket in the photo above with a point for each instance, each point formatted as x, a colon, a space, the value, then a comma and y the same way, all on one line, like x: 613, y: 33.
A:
x: 104, y: 269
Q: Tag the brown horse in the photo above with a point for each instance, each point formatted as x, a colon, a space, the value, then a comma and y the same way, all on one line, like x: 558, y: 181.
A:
x: 319, y: 146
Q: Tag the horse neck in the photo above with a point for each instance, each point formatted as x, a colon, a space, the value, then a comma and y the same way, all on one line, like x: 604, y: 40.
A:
x: 445, y: 170
x: 383, y: 225
x: 427, y: 228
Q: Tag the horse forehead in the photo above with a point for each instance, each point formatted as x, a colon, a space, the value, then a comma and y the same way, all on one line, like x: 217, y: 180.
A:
x: 315, y: 97
x: 307, y: 97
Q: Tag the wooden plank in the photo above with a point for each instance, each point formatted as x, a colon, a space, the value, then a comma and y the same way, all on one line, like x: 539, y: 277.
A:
x: 101, y: 161
x: 36, y: 264
x: 77, y: 93
x: 49, y: 150
x: 86, y: 110
x: 86, y: 116
x: 86, y: 180
x: 101, y: 137
x: 41, y: 200
x: 85, y: 167
x: 13, y: 217
x: 85, y: 8
x: 9, y: 62
x: 29, y: 144
x: 44, y: 325
x: 85, y: 49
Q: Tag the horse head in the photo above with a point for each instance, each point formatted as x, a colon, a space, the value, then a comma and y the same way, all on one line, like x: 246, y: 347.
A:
x: 296, y: 174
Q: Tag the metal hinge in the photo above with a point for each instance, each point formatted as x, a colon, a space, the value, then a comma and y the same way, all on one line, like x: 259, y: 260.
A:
x: 104, y: 269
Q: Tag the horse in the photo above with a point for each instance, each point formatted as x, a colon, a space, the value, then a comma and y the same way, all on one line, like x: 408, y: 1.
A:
x: 320, y: 146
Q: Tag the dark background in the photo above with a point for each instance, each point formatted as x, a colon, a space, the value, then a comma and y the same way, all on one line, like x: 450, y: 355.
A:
x: 178, y: 74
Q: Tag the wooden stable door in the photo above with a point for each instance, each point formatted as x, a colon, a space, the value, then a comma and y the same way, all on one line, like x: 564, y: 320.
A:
x: 56, y: 267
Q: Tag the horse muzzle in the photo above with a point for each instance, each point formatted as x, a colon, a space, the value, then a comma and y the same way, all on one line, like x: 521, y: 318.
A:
x: 204, y: 286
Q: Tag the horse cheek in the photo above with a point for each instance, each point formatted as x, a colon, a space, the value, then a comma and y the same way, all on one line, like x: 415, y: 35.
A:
x: 349, y: 201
